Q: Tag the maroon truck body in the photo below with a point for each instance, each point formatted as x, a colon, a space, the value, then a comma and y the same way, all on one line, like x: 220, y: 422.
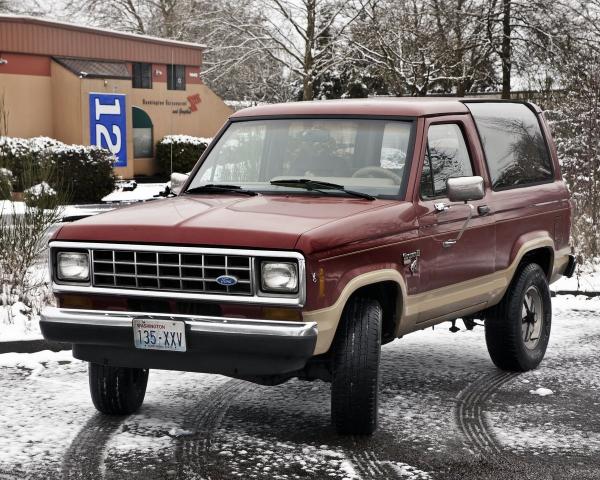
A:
x: 347, y: 245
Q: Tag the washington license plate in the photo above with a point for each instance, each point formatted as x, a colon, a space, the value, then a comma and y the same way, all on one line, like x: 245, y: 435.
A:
x: 151, y: 334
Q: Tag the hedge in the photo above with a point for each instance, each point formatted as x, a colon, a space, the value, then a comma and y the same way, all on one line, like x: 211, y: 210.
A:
x: 186, y: 151
x: 83, y: 173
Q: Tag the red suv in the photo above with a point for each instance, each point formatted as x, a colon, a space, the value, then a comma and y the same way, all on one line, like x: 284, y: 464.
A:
x: 308, y: 235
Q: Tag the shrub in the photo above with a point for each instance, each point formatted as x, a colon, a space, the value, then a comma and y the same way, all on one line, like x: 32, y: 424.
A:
x: 82, y: 172
x: 6, y: 181
x: 186, y: 151
x: 41, y: 195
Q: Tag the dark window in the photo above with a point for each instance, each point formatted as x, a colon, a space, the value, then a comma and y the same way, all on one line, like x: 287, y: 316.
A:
x: 446, y: 157
x: 175, y: 77
x: 513, y: 143
x: 142, y: 75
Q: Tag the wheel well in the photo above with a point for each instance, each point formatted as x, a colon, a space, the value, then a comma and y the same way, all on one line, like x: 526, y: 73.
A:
x: 543, y: 257
x: 387, y: 294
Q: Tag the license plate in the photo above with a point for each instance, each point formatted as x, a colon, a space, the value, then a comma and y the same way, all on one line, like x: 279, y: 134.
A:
x: 151, y: 334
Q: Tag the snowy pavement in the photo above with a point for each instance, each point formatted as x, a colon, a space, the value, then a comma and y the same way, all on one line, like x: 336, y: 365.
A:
x: 446, y: 413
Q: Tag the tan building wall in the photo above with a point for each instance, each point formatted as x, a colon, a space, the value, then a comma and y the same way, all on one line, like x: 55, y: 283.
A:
x: 28, y: 102
x: 163, y: 107
x: 44, y: 98
x: 67, y: 115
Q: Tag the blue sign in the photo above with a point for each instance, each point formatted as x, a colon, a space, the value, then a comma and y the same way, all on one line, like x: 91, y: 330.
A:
x: 108, y: 124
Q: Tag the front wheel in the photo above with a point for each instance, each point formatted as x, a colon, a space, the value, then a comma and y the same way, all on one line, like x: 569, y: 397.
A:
x: 355, y: 380
x: 117, y: 390
x: 517, y: 331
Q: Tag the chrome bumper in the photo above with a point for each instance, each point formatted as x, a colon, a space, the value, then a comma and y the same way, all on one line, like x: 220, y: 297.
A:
x: 237, y: 347
x: 196, y: 323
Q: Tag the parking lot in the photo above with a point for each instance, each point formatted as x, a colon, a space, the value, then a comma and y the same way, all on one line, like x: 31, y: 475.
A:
x: 446, y: 413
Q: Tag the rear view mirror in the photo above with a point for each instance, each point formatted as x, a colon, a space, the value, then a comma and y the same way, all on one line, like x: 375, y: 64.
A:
x: 178, y: 181
x: 465, y: 189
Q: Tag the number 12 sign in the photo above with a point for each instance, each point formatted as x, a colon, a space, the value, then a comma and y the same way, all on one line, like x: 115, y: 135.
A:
x: 108, y: 124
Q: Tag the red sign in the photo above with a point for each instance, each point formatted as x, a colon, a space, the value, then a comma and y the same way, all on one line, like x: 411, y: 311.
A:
x: 194, y: 101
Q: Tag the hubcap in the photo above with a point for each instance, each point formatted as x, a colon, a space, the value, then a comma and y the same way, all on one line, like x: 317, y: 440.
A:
x: 532, y: 317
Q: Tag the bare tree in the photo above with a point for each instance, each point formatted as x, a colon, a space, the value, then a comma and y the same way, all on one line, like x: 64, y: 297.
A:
x: 164, y: 18
x: 421, y: 46
x: 289, y: 32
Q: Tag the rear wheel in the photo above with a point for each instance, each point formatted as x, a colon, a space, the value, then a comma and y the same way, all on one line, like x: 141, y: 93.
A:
x: 117, y: 390
x: 517, y: 331
x: 355, y: 380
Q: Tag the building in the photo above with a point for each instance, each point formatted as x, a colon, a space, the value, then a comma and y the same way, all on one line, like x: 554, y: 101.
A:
x: 86, y: 85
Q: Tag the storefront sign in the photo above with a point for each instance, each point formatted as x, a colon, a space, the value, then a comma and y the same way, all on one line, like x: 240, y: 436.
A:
x: 178, y: 107
x: 108, y: 124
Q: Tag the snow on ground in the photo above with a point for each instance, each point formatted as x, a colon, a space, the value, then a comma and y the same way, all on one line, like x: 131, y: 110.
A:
x: 201, y: 426
x: 585, y: 279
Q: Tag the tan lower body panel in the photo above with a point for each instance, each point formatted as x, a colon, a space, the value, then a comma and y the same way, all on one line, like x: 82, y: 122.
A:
x: 429, y: 308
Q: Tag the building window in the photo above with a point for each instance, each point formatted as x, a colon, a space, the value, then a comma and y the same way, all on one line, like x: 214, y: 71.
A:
x: 175, y: 77
x: 142, y: 134
x: 142, y: 75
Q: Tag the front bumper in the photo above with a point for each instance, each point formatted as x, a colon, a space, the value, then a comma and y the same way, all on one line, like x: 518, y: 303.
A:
x: 229, y: 346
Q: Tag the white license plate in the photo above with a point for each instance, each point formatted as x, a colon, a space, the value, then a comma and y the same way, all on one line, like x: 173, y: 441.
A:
x: 151, y: 334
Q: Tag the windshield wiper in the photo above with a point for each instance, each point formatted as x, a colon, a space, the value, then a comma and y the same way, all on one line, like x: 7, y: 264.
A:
x: 218, y: 188
x: 318, y: 186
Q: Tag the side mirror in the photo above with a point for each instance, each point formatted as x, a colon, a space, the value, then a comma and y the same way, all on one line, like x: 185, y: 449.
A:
x: 465, y: 189
x: 177, y: 181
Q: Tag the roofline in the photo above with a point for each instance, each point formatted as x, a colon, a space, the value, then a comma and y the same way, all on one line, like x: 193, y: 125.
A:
x: 99, y: 31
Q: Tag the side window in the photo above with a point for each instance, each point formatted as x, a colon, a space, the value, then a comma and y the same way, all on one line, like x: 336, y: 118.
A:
x: 446, y: 157
x: 514, y: 146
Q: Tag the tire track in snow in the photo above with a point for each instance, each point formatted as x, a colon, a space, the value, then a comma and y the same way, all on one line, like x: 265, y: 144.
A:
x: 470, y: 408
x: 192, y: 451
x: 84, y: 459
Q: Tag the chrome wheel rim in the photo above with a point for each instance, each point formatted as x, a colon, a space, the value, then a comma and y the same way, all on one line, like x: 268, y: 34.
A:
x: 532, y: 315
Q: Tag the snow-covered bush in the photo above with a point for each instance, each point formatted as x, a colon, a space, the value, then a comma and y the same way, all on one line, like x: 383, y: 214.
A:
x: 23, y: 230
x: 183, y: 149
x: 41, y: 195
x: 6, y: 181
x: 84, y: 172
x: 575, y: 122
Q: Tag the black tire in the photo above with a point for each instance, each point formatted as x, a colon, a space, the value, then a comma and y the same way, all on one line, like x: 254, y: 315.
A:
x: 355, y: 379
x: 117, y: 390
x: 505, y: 324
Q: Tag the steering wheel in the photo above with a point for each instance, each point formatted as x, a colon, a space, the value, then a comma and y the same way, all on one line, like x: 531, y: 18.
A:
x: 377, y: 172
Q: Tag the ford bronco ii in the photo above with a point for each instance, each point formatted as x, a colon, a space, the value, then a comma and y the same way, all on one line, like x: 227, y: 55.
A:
x: 308, y: 235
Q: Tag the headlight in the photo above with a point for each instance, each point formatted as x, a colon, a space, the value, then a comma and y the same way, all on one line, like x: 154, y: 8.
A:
x: 279, y: 277
x: 73, y: 266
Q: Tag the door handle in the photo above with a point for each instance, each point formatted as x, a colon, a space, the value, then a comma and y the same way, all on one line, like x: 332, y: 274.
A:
x: 483, y: 210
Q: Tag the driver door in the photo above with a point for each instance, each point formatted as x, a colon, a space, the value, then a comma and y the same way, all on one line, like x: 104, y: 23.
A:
x: 452, y: 275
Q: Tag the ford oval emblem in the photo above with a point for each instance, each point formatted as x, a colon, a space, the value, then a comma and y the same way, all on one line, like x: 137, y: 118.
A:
x: 227, y: 280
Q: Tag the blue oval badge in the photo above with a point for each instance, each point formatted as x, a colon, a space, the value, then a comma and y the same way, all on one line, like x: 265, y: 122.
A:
x: 227, y: 280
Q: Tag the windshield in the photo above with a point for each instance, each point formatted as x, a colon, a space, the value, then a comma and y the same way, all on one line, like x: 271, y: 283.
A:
x: 362, y: 155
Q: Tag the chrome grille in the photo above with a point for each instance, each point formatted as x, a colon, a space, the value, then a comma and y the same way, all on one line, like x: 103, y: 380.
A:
x: 171, y: 271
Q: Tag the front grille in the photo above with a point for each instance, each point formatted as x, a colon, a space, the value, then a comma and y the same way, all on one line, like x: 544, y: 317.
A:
x: 171, y: 271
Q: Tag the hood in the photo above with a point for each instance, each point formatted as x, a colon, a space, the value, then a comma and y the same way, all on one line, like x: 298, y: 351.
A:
x: 263, y: 221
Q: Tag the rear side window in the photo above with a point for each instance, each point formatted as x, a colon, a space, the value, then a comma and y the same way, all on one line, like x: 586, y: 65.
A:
x: 446, y: 157
x: 513, y: 143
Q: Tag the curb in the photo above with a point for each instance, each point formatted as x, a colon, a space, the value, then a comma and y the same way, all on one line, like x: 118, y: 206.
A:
x: 554, y: 293
x: 31, y: 346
